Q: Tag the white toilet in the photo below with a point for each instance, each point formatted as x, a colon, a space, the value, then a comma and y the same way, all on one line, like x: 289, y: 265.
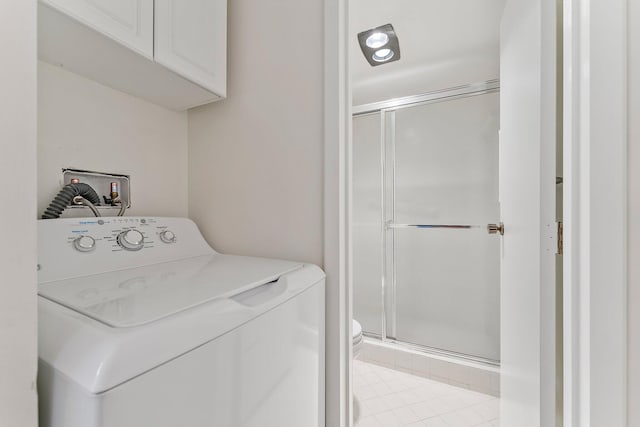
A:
x: 357, y: 338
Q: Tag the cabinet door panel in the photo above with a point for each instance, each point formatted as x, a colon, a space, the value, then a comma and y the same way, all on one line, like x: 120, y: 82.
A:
x: 130, y: 22
x: 191, y: 40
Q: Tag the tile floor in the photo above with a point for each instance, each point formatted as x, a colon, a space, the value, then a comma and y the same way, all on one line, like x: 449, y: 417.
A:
x: 384, y: 397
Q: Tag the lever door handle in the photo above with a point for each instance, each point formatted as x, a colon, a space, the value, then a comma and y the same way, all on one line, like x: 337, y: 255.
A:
x: 495, y: 228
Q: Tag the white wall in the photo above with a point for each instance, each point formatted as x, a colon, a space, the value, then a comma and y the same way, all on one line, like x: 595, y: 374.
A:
x: 633, y: 217
x: 18, y: 352
x: 85, y: 125
x: 256, y: 158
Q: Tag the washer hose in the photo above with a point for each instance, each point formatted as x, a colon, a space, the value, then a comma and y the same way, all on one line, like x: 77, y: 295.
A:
x: 65, y: 198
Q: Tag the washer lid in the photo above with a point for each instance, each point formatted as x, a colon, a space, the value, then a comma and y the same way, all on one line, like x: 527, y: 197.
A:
x: 142, y: 295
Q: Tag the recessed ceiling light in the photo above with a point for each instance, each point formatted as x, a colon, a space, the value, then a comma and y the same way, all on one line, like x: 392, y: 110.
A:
x: 379, y: 45
x: 377, y: 40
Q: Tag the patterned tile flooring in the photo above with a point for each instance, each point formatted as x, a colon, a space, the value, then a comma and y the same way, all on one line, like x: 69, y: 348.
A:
x: 385, y: 397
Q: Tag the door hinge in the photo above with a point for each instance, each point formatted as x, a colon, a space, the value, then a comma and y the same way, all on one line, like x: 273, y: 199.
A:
x: 560, y: 243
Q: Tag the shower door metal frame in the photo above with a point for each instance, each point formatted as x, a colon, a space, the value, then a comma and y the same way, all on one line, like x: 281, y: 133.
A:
x: 387, y: 110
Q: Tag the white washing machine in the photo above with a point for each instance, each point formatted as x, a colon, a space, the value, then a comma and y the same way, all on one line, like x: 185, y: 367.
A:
x: 142, y: 324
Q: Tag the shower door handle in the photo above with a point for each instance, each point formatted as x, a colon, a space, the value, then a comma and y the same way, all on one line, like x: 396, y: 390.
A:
x: 495, y: 228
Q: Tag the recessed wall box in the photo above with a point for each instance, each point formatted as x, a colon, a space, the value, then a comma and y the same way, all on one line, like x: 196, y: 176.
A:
x: 101, y: 183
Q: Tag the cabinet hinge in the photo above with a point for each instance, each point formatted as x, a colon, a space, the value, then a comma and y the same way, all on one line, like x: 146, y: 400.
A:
x: 560, y: 242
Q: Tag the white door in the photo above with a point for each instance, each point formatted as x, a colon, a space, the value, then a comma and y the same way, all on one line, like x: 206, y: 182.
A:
x: 527, y: 203
x: 191, y: 40
x: 129, y: 22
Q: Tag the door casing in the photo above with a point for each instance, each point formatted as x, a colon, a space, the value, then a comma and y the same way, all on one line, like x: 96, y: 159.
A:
x: 590, y: 112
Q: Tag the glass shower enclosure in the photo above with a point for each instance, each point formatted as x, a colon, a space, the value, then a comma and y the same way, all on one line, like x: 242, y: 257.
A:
x: 424, y: 187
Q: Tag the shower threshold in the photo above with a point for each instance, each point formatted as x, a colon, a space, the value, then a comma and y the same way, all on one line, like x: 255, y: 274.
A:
x: 470, y: 372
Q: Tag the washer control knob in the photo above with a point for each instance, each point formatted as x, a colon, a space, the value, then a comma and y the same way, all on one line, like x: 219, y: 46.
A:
x: 167, y: 236
x: 84, y: 243
x: 131, y: 240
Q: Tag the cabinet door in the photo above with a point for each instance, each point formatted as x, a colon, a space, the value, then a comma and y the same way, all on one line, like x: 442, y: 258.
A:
x: 191, y: 40
x: 130, y: 22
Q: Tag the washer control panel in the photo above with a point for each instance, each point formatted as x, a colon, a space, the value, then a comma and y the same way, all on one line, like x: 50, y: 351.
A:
x: 113, y: 243
x: 131, y: 237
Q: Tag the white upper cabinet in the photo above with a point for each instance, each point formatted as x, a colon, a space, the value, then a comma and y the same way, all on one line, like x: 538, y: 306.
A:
x: 191, y: 39
x: 172, y: 53
x: 129, y: 22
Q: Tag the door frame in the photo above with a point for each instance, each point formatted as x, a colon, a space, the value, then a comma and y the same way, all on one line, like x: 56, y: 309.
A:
x: 337, y: 146
x: 595, y: 210
x: 595, y: 206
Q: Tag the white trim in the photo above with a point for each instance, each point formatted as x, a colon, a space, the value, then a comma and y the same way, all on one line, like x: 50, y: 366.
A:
x: 337, y: 128
x: 633, y: 213
x: 18, y: 259
x: 595, y: 141
x: 570, y: 221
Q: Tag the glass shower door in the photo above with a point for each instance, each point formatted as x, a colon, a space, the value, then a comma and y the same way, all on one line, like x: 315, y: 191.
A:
x: 442, y: 284
x: 367, y: 223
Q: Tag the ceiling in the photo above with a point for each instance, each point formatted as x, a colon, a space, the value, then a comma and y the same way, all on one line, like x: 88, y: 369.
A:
x: 443, y: 43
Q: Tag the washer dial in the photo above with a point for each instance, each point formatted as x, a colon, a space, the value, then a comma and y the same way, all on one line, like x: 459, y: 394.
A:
x: 167, y: 236
x: 84, y: 243
x: 131, y: 240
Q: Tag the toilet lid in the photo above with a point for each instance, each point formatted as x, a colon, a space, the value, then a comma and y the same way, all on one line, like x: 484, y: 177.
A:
x: 357, y: 329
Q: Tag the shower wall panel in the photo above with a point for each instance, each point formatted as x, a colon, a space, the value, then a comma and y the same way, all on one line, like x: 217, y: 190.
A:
x: 367, y: 222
